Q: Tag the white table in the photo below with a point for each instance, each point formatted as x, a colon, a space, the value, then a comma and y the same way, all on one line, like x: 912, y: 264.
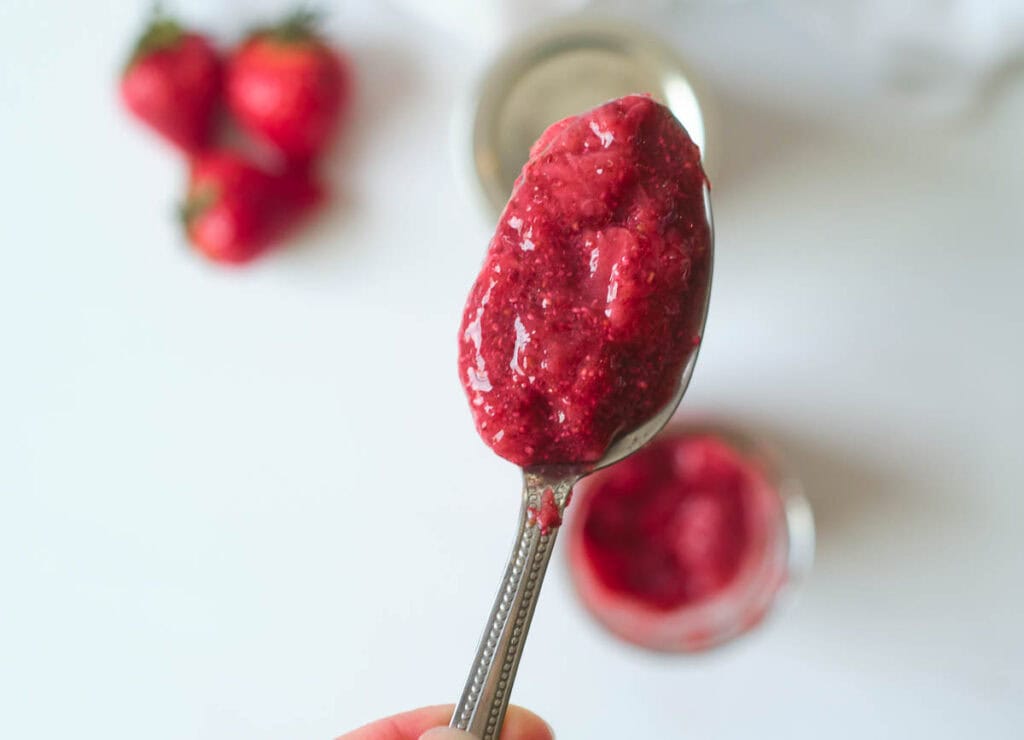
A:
x: 251, y: 504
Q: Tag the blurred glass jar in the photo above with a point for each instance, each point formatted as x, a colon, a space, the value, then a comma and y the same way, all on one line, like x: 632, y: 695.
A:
x: 561, y: 69
x: 692, y: 541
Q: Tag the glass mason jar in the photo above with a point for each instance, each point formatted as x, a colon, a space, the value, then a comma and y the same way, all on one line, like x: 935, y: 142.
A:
x: 559, y: 69
x: 766, y: 511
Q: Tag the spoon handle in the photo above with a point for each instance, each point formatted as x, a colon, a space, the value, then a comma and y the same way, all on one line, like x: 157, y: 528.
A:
x: 481, y: 708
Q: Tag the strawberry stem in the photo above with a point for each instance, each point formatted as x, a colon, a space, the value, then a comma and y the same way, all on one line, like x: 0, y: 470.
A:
x: 162, y: 32
x: 298, y: 26
x: 196, y: 204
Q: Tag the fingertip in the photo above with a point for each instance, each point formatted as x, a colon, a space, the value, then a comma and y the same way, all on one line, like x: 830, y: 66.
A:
x: 522, y: 724
x: 445, y: 733
x: 430, y: 723
x: 405, y: 726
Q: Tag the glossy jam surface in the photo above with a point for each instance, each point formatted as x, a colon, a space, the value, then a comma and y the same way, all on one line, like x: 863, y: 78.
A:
x: 674, y: 524
x: 590, y: 299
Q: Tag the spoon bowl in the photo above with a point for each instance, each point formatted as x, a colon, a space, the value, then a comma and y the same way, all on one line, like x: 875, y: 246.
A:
x: 628, y: 443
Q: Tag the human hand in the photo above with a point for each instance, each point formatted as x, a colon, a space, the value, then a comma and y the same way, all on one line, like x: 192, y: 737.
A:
x: 431, y: 723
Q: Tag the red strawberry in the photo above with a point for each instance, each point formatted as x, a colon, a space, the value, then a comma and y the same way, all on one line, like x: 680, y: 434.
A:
x: 235, y: 210
x: 173, y: 82
x: 287, y: 87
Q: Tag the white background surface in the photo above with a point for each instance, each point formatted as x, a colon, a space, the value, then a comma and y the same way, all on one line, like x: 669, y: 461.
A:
x: 251, y: 504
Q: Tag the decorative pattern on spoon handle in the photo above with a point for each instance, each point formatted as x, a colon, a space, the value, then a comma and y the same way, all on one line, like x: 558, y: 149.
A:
x: 484, y: 701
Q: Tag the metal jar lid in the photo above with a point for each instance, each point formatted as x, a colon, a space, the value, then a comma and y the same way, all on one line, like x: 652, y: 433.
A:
x: 563, y: 69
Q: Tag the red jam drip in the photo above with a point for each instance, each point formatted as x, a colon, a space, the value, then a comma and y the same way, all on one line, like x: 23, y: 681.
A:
x: 590, y: 298
x: 669, y: 525
x: 547, y: 517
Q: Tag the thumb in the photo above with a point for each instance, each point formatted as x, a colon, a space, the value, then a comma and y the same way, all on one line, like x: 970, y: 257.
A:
x: 520, y: 724
x: 445, y: 733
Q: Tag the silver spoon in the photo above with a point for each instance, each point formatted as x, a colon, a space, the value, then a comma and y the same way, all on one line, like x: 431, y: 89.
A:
x: 484, y: 701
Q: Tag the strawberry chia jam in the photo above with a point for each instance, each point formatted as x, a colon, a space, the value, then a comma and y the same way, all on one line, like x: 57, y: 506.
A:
x: 680, y: 542
x: 592, y: 292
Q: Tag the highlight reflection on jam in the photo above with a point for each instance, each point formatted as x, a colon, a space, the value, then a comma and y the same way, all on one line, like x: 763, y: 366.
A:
x: 590, y: 298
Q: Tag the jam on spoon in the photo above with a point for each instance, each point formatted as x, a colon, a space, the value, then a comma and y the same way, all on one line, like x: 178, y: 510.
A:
x: 580, y: 335
x: 591, y: 296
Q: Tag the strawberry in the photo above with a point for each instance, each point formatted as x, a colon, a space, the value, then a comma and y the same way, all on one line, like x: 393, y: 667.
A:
x: 172, y: 82
x: 234, y: 210
x: 287, y: 87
